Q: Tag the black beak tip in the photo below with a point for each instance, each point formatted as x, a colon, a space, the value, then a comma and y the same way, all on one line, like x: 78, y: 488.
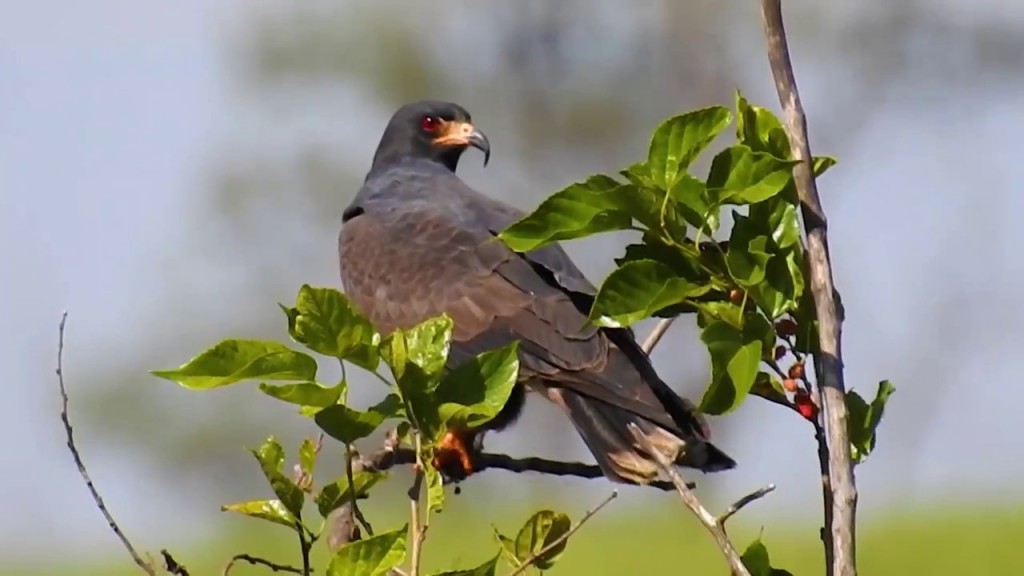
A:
x: 479, y: 140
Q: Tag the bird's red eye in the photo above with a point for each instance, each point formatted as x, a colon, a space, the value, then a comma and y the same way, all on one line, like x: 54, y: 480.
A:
x: 429, y: 123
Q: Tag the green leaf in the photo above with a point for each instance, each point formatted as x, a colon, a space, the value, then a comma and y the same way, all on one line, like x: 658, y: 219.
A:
x: 678, y: 141
x: 582, y: 209
x: 639, y: 174
x: 863, y: 419
x: 372, y: 556
x: 435, y: 486
x: 305, y: 393
x: 328, y: 323
x: 539, y: 532
x: 507, y: 547
x: 347, y: 425
x: 637, y: 290
x: 755, y: 558
x: 695, y: 203
x: 390, y: 407
x: 488, y: 568
x: 726, y: 312
x: 232, y: 361
x: 759, y: 129
x: 338, y: 492
x: 822, y: 164
x: 417, y: 357
x: 735, y: 359
x: 477, y: 390
x: 307, y: 456
x: 271, y: 458
x: 747, y: 257
x: 270, y: 510
x: 783, y: 282
x: 739, y: 175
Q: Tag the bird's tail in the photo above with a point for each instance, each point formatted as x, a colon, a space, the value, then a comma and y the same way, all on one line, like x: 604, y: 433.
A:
x: 605, y: 430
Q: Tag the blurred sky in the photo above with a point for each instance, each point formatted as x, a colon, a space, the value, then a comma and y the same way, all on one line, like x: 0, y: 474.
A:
x: 109, y: 116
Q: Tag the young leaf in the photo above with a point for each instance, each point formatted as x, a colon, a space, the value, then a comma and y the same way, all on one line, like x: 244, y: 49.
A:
x: 761, y: 130
x: 307, y: 456
x: 678, y: 141
x: 477, y: 390
x: 638, y: 289
x: 232, y: 361
x: 739, y: 175
x: 864, y: 419
x: 270, y: 510
x: 488, y: 568
x: 338, y: 492
x: 372, y: 556
x: 695, y: 203
x: 539, y: 532
x: 305, y: 393
x: 417, y: 358
x: 747, y: 257
x: 271, y: 458
x: 327, y: 323
x: 582, y: 209
x: 347, y: 425
x: 755, y: 558
x: 823, y: 163
x: 735, y: 358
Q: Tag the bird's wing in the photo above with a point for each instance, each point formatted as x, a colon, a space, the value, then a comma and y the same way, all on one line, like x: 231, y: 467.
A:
x: 402, y: 269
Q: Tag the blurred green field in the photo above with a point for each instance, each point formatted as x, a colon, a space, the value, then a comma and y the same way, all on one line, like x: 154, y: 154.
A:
x: 975, y: 542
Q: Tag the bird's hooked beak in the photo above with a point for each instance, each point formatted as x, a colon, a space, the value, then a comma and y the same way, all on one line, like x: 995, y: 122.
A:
x: 462, y: 134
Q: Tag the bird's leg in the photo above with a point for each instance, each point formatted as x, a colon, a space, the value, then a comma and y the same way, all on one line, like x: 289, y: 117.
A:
x: 454, y: 454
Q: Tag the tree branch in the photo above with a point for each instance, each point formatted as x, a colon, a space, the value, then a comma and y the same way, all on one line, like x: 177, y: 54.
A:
x: 417, y: 526
x: 540, y: 554
x: 256, y: 561
x: 657, y: 333
x: 828, y: 362
x: 715, y: 525
x: 69, y: 432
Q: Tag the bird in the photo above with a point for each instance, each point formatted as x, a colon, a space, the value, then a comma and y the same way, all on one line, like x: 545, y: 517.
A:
x: 416, y: 242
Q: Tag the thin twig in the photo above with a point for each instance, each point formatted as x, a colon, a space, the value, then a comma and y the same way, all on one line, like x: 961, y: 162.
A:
x: 172, y: 566
x: 418, y: 526
x: 147, y: 567
x: 690, y: 500
x: 742, y: 503
x: 828, y: 362
x: 256, y: 561
x: 305, y: 546
x: 655, y: 336
x: 558, y: 541
x: 349, y: 464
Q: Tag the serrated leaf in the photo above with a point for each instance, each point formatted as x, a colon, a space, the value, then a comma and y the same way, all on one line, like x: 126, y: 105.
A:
x: 328, y: 323
x: 338, y: 492
x: 863, y: 420
x: 305, y: 393
x: 477, y: 390
x: 540, y: 531
x: 756, y: 560
x: 347, y: 425
x: 270, y: 510
x: 760, y: 129
x: 582, y: 209
x: 372, y: 556
x: 488, y: 568
x: 739, y: 175
x: 232, y: 361
x: 678, y: 141
x: 735, y: 359
x: 271, y: 458
x: 637, y: 290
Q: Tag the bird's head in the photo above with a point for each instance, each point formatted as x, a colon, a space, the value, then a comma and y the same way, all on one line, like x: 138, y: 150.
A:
x: 439, y: 131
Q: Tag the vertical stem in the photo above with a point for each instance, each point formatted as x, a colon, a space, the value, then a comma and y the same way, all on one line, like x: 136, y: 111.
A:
x: 828, y: 360
x: 418, y: 527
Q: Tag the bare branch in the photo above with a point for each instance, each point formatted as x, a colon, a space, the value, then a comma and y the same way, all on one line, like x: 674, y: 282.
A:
x: 146, y: 566
x: 256, y: 561
x: 715, y: 526
x: 841, y: 546
x: 742, y: 503
x: 656, y: 334
x: 172, y: 566
x: 540, y: 554
x: 417, y: 527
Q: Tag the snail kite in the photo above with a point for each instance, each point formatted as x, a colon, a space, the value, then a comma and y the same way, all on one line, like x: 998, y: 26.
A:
x: 417, y: 241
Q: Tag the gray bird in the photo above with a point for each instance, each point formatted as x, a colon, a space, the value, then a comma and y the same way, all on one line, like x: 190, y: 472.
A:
x: 417, y: 242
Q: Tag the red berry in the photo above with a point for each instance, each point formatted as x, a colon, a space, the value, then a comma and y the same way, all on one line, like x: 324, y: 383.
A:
x: 790, y: 385
x: 780, y: 351
x: 785, y: 327
x: 805, y: 406
x: 736, y: 295
x: 796, y: 371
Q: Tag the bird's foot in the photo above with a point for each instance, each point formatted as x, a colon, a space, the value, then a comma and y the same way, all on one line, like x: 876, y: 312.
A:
x: 453, y: 456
